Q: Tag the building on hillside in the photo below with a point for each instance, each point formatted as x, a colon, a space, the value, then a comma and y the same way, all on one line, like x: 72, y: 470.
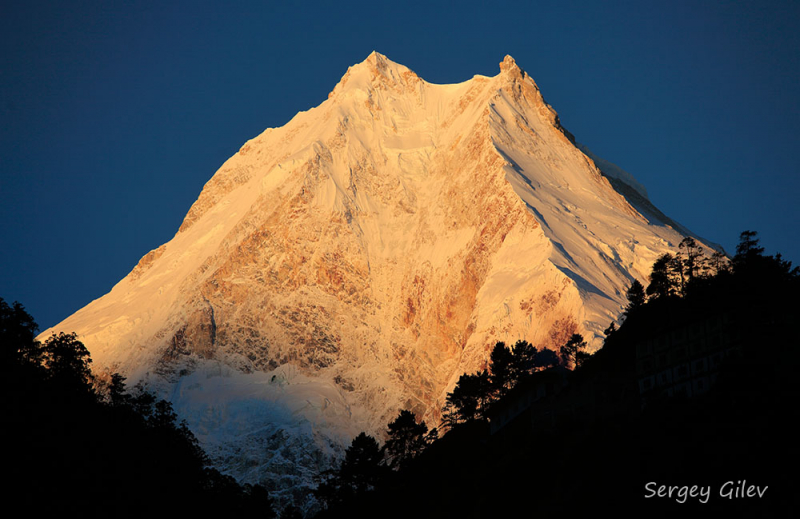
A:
x: 536, y: 391
x: 684, y: 358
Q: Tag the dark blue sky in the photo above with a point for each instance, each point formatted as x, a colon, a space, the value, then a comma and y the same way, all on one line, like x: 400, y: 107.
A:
x: 115, y: 114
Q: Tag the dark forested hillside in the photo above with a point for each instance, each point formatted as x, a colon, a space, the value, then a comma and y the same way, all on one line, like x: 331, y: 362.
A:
x: 687, y: 410
x: 78, y: 443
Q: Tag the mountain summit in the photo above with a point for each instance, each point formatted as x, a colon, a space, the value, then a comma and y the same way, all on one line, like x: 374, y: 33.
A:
x: 362, y: 257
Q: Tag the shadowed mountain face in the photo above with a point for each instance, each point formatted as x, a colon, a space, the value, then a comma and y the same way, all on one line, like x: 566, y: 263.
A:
x: 360, y: 258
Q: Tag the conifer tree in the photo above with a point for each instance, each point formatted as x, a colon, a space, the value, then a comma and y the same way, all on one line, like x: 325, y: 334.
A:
x: 692, y: 262
x: 748, y: 245
x: 501, y: 367
x: 523, y: 360
x: 361, y: 467
x: 83, y: 434
x: 662, y: 280
x: 572, y: 352
x: 406, y: 439
x: 17, y: 336
x: 748, y: 252
x: 468, y: 400
x: 359, y: 472
x: 719, y: 263
x: 636, y: 297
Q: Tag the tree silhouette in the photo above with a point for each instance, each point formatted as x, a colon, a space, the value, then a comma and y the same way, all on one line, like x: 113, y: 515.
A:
x: 546, y: 359
x: 469, y: 399
x: 693, y: 261
x: 17, y: 336
x: 719, y: 263
x: 67, y: 360
x: 510, y: 366
x: 523, y: 360
x: 744, y: 419
x: 406, y: 440
x: 72, y: 432
x: 749, y: 259
x: 359, y: 472
x: 501, y: 367
x: 572, y: 352
x: 747, y: 248
x: 361, y: 462
x: 662, y: 280
x: 636, y: 298
x: 111, y: 389
x: 678, y: 271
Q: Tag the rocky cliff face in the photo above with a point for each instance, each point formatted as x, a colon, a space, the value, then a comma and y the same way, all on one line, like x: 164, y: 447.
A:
x: 360, y: 258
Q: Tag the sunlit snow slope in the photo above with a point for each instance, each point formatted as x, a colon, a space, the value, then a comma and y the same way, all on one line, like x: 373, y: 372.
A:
x: 360, y: 258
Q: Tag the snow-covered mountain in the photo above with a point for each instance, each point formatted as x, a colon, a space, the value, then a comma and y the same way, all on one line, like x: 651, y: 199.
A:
x: 362, y: 257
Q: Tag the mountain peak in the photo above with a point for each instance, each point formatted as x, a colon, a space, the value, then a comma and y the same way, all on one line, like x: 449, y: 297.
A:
x: 362, y: 257
x: 376, y: 71
x: 508, y: 64
x: 376, y: 58
x: 513, y: 73
x: 380, y: 64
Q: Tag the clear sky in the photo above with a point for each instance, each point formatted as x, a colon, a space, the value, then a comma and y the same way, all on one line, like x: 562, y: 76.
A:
x: 114, y: 114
